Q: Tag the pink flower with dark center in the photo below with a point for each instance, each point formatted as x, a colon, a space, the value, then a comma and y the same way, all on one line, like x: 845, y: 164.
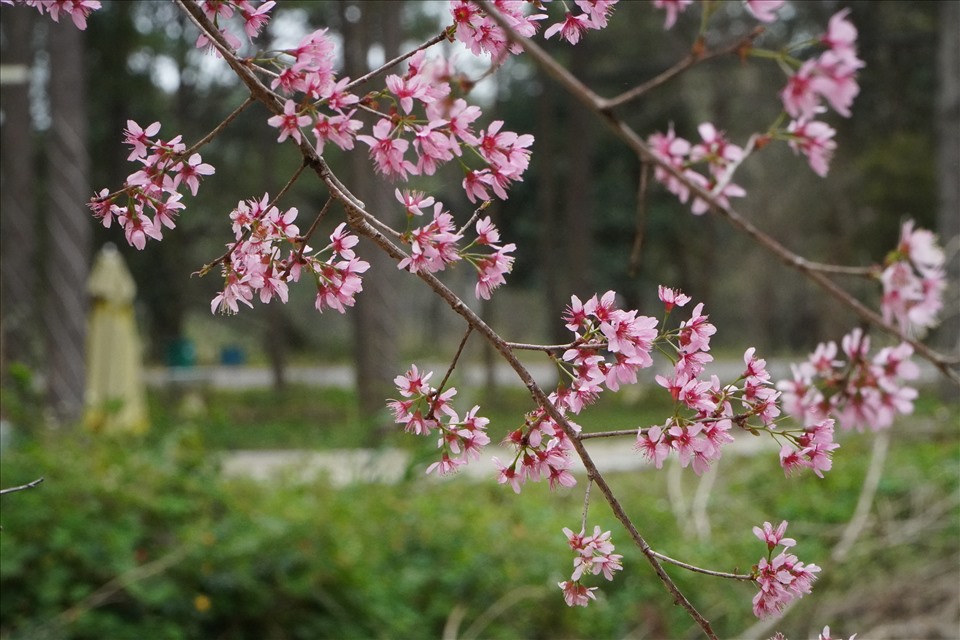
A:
x: 387, y: 151
x: 571, y: 27
x: 800, y: 98
x: 289, y: 122
x: 139, y: 138
x: 671, y: 298
x: 815, y: 140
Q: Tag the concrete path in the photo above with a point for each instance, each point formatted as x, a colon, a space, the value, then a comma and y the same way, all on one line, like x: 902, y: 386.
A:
x: 346, y: 466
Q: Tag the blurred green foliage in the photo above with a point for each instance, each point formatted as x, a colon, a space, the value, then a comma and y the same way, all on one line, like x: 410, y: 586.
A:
x: 129, y: 539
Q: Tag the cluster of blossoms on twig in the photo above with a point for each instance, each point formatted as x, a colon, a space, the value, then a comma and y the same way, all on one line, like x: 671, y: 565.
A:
x: 594, y: 555
x: 781, y: 578
x: 830, y: 78
x: 714, y: 151
x: 78, y: 10
x: 426, y: 124
x: 255, y: 263
x: 913, y: 281
x: 435, y: 245
x: 426, y: 409
x: 859, y: 391
x: 225, y: 13
x: 154, y: 189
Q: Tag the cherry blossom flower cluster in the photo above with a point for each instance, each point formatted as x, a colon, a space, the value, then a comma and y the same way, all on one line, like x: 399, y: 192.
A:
x: 542, y: 450
x: 434, y: 245
x: 610, y: 346
x: 255, y: 264
x: 704, y: 411
x: 426, y: 409
x: 594, y: 555
x: 481, y: 33
x: 154, y: 190
x: 593, y: 15
x: 718, y: 154
x: 782, y: 578
x: 830, y: 77
x: 762, y: 10
x: 914, y: 281
x: 857, y: 391
x: 253, y: 18
x: 78, y: 10
x: 425, y: 127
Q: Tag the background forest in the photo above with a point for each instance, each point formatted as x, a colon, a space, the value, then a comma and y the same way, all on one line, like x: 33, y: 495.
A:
x: 151, y: 537
x: 576, y: 210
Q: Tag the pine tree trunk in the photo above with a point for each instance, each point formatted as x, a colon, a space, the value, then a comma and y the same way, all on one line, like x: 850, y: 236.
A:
x: 18, y: 267
x: 373, y: 317
x: 66, y: 254
x: 948, y: 167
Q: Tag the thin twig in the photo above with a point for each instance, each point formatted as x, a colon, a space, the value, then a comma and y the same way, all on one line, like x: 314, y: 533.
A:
x: 550, y: 348
x: 304, y: 239
x: 29, y: 485
x: 609, y: 434
x: 456, y: 356
x: 205, y: 269
x: 476, y: 214
x: 219, y: 128
x: 694, y: 57
x: 426, y: 45
x: 122, y: 581
x: 586, y: 506
x: 709, y: 572
x: 640, y: 223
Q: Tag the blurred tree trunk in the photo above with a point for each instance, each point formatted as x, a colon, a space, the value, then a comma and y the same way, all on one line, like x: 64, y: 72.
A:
x: 69, y: 225
x: 18, y: 283
x: 578, y: 194
x: 948, y: 165
x: 375, y: 346
x: 549, y: 237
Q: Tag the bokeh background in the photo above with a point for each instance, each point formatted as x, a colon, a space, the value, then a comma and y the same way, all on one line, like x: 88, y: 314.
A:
x: 137, y: 534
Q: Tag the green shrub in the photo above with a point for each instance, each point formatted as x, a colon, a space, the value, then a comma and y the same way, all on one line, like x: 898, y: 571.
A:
x: 129, y: 540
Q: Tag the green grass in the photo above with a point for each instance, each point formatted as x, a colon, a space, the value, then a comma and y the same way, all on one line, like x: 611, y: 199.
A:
x: 302, y: 417
x: 294, y: 560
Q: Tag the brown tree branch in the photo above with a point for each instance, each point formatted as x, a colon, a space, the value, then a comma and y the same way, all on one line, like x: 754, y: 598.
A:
x: 696, y: 56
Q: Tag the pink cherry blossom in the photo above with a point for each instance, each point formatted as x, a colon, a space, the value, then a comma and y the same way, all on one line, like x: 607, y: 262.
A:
x: 571, y: 27
x: 672, y: 298
x: 764, y: 10
x: 597, y: 10
x: 673, y: 9
x: 815, y: 140
x: 387, y: 151
x: 289, y: 123
x: 139, y: 138
x: 841, y: 35
x: 254, y: 19
x: 774, y: 537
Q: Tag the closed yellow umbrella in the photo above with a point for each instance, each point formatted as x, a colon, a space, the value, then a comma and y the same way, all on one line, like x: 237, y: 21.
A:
x: 115, y: 396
